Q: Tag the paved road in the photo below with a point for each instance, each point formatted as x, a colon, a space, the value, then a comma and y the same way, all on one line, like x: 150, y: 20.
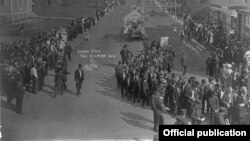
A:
x: 100, y: 113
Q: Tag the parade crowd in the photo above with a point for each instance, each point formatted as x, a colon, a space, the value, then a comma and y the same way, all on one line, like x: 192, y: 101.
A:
x: 25, y: 64
x: 148, y: 79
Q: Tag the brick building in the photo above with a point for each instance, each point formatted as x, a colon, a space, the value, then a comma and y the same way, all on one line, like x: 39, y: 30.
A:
x: 13, y: 10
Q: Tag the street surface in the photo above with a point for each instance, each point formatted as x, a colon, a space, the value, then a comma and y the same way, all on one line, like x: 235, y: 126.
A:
x: 100, y: 112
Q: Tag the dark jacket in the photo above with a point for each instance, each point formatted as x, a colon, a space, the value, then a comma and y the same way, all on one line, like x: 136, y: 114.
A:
x: 214, y: 103
x: 77, y: 75
x: 145, y: 88
x: 157, y: 104
x: 60, y: 78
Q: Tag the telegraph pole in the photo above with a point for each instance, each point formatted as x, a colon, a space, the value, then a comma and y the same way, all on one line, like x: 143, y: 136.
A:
x: 176, y: 9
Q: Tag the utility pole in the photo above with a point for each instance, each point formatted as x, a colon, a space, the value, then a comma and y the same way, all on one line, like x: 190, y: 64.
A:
x: 176, y: 9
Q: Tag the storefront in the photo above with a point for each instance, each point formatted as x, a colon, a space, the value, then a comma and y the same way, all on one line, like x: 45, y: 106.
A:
x: 227, y: 16
x: 244, y: 24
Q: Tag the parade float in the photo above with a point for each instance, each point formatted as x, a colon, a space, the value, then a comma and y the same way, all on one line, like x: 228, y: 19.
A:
x: 134, y: 25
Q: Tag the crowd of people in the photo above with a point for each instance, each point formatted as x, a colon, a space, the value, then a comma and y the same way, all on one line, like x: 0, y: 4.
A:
x: 25, y: 64
x: 148, y: 78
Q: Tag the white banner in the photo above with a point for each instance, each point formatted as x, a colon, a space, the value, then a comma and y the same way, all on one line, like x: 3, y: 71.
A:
x: 164, y: 41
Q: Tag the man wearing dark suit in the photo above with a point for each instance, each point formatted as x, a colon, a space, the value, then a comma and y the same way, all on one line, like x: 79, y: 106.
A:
x: 19, y: 98
x: 184, y: 63
x: 214, y: 105
x: 189, y: 96
x: 208, y: 89
x: 67, y: 50
x: 118, y: 73
x: 60, y: 79
x: 158, y: 108
x: 145, y: 91
x: 125, y: 54
x: 137, y: 88
x: 79, y: 77
x: 123, y: 82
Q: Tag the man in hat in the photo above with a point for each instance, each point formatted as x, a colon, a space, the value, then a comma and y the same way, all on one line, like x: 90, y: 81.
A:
x: 125, y: 54
x: 214, y: 105
x: 20, y: 91
x: 184, y: 63
x: 158, y: 108
x: 208, y: 90
x: 182, y: 119
x: 245, y: 81
x: 145, y: 91
x: 118, y: 73
x: 170, y: 91
x: 172, y: 56
x: 189, y: 95
x: 223, y: 75
x: 79, y: 77
x: 162, y: 87
x: 67, y: 50
x: 123, y: 82
x: 60, y: 79
x: 229, y: 79
x: 176, y: 96
x: 153, y: 84
x: 137, y: 87
x: 41, y: 72
x: 34, y: 78
x: 209, y: 65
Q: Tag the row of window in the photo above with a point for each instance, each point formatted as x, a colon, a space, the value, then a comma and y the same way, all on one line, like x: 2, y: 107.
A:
x: 16, y: 2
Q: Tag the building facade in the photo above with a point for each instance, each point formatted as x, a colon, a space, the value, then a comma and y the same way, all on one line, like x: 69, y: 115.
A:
x: 244, y: 22
x: 13, y: 10
x: 225, y: 13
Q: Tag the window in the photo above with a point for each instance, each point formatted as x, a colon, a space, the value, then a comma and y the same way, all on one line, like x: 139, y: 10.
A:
x: 2, y: 2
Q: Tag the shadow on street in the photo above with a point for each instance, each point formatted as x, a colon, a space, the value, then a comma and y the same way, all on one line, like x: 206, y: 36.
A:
x: 136, y: 117
x: 137, y: 123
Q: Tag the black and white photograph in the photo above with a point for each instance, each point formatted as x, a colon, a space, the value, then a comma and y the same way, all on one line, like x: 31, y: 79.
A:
x: 107, y: 70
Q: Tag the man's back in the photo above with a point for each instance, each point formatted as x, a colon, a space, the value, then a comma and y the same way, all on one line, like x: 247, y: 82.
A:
x: 184, y: 60
x: 157, y: 104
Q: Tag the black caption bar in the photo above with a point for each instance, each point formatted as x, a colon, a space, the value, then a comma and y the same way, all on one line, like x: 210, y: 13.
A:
x: 192, y: 132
